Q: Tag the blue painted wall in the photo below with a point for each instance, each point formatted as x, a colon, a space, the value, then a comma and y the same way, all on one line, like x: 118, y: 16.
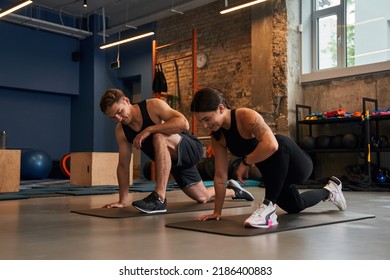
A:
x: 37, y: 60
x: 49, y: 102
x: 36, y: 120
x: 37, y: 80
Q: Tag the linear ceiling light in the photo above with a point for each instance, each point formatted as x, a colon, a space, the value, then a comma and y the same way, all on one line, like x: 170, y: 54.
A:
x: 48, y: 26
x: 14, y: 8
x: 241, y: 6
x: 126, y: 40
x: 173, y: 9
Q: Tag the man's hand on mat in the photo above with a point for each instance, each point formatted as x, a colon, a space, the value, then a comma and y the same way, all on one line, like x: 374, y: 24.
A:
x: 211, y: 217
x: 114, y: 205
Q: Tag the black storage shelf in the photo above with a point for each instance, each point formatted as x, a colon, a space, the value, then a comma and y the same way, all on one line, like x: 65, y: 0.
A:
x: 379, y: 117
x: 331, y: 120
x: 366, y: 121
x: 334, y: 150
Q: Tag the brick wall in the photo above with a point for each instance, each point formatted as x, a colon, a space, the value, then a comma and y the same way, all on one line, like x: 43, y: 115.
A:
x: 279, y: 64
x: 226, y: 41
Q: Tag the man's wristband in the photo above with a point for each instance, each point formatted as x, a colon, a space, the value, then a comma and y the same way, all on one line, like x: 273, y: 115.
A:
x: 244, y: 161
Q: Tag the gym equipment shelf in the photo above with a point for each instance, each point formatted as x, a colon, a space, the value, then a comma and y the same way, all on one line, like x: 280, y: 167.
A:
x: 375, y: 119
x: 366, y: 121
x: 333, y: 120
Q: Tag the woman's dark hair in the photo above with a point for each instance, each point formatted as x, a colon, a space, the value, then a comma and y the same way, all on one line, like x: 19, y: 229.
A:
x: 207, y: 100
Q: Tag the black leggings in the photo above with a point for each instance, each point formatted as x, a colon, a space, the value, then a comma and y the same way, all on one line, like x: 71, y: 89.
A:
x: 287, y: 167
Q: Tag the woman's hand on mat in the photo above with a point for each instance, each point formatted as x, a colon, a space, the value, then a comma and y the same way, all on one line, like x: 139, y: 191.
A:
x: 211, y: 217
x: 114, y: 205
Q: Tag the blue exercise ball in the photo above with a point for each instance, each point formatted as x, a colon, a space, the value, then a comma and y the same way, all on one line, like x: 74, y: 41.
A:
x: 35, y: 165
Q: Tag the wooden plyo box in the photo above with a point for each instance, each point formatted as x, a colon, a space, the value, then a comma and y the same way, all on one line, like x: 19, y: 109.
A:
x: 10, y: 170
x: 95, y: 169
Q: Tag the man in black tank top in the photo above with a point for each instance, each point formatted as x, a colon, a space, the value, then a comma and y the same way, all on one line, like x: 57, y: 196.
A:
x: 161, y: 133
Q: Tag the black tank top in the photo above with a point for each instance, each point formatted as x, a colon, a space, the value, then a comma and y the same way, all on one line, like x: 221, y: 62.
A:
x: 237, y: 145
x: 147, y: 145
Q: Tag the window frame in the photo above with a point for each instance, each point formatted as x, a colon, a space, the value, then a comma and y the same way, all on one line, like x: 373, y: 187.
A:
x: 315, y: 17
x: 341, y: 70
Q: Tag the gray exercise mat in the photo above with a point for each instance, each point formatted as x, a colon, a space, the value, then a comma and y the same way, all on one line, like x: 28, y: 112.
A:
x: 174, y: 207
x: 234, y: 225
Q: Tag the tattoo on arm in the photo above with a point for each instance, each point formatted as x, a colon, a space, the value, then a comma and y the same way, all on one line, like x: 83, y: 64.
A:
x: 258, y: 128
x: 219, y: 182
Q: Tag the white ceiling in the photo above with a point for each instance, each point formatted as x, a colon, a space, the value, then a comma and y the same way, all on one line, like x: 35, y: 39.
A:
x: 120, y: 14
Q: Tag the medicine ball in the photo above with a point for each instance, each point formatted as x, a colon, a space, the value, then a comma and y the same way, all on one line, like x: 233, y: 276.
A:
x: 350, y: 141
x: 307, y: 143
x: 35, y: 165
x: 322, y: 141
x: 336, y: 141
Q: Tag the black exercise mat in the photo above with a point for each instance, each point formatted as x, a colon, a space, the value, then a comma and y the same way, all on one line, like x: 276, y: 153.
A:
x: 234, y: 225
x: 174, y: 207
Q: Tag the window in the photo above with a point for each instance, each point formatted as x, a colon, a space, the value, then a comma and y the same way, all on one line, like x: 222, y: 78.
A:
x: 344, y: 37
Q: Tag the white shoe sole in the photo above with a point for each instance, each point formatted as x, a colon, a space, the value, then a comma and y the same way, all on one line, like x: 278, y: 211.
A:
x: 152, y: 211
x: 270, y: 224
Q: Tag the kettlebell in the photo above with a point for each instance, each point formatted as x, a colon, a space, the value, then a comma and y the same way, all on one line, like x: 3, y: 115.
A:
x: 381, y: 178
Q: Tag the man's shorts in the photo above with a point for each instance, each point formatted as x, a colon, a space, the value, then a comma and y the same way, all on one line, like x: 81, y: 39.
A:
x: 190, y: 152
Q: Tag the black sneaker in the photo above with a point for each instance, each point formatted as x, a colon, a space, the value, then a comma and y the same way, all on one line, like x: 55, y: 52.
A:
x: 240, y: 192
x: 151, y: 204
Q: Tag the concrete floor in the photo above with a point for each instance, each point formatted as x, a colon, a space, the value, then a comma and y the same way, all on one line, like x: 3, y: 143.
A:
x: 45, y: 229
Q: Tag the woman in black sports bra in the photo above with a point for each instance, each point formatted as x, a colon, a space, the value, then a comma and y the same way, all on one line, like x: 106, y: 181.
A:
x: 281, y: 162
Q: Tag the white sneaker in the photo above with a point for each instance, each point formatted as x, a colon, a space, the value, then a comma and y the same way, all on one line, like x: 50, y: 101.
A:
x: 264, y: 217
x: 336, y: 196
